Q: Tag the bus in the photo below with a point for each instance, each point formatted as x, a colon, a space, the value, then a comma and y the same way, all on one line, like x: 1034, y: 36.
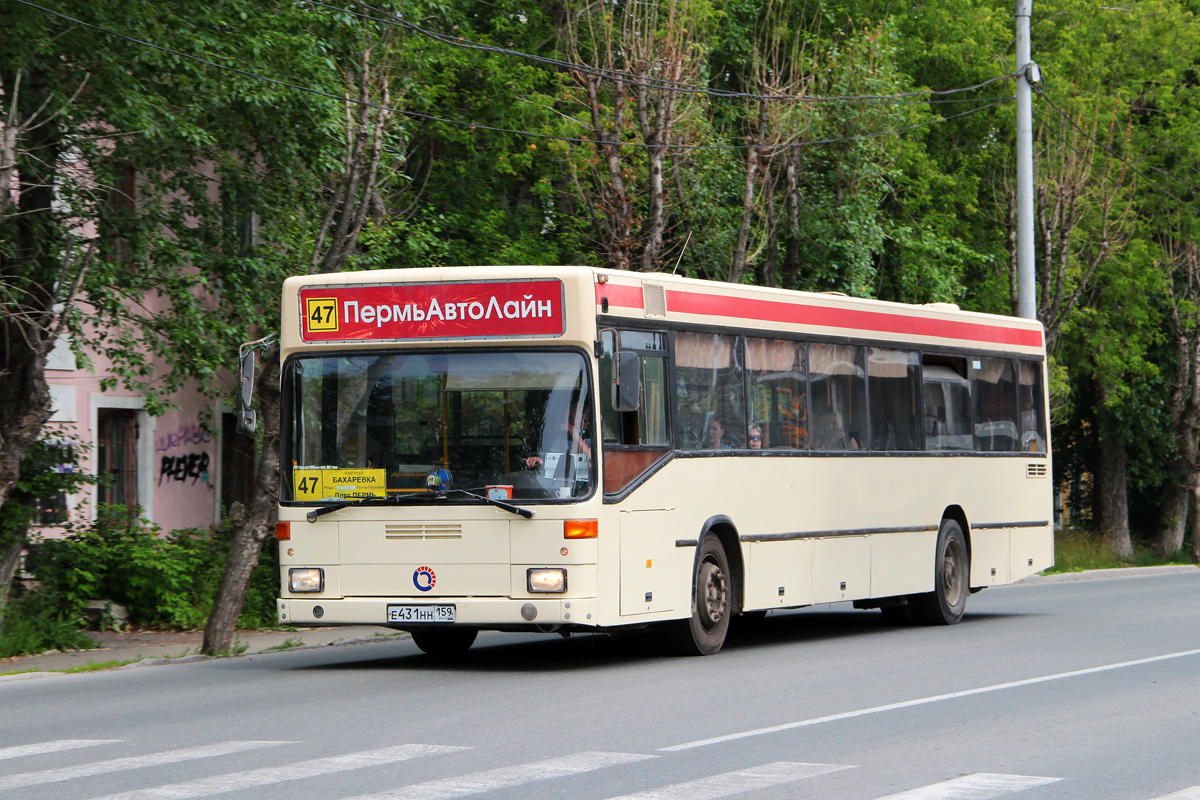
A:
x: 574, y: 449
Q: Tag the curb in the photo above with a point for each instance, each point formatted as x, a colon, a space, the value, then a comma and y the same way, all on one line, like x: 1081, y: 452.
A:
x: 195, y: 657
x: 1108, y: 574
x: 24, y: 676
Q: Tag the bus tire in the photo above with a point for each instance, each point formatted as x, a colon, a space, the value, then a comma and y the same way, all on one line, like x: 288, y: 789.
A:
x: 951, y: 579
x: 703, y: 633
x: 444, y: 642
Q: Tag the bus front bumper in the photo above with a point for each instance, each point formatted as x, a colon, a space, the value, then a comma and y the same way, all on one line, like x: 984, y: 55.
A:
x: 479, y: 612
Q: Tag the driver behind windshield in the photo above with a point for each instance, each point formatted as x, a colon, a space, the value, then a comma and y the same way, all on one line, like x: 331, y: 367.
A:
x: 568, y: 437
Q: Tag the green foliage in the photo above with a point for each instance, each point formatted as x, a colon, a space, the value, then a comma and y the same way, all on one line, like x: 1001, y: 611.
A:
x: 164, y: 581
x: 1076, y: 551
x: 50, y: 470
x: 34, y: 624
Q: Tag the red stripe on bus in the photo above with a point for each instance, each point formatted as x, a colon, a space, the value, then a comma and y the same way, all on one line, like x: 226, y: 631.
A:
x: 618, y: 295
x: 796, y: 313
x: 825, y: 316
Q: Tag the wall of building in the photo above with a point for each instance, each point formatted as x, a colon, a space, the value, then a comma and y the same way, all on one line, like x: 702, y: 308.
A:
x: 177, y: 461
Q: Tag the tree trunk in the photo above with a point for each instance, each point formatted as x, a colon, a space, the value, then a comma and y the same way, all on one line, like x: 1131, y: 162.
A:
x: 254, y: 528
x: 743, y: 239
x: 771, y: 256
x: 29, y: 272
x: 10, y: 557
x: 1168, y: 537
x: 1111, y: 496
x: 791, y: 258
x: 1196, y: 525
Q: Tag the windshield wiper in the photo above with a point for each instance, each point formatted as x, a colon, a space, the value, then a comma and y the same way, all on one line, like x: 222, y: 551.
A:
x: 392, y: 499
x: 509, y: 507
x: 396, y: 499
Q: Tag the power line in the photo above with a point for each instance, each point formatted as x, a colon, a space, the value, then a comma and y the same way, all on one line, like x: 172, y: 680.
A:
x: 1112, y: 152
x: 475, y: 126
x: 658, y: 83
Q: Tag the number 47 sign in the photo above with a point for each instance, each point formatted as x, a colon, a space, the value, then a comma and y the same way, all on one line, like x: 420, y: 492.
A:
x: 321, y: 313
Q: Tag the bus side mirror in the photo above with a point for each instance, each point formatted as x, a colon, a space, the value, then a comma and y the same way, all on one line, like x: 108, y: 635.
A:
x: 246, y: 418
x: 627, y: 390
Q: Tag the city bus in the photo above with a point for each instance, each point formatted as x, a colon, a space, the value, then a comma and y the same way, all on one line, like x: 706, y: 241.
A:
x: 575, y: 449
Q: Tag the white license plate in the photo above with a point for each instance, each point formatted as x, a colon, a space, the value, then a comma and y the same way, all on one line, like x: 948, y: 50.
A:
x: 420, y: 613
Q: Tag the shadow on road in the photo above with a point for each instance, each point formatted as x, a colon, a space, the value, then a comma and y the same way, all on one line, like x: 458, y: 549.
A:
x: 499, y: 652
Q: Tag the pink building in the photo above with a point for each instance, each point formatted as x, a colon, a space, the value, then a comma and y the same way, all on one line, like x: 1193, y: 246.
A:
x: 180, y: 475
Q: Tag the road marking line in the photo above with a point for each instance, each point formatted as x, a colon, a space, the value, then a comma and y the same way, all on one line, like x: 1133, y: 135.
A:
x: 202, y: 787
x: 507, y: 777
x: 133, y: 762
x: 731, y: 783
x: 804, y: 723
x: 980, y: 786
x: 56, y: 746
x: 1191, y: 793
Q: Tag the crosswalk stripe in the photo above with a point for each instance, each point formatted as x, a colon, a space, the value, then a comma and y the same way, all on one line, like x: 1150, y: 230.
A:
x: 507, y: 777
x: 202, y: 787
x: 980, y: 786
x: 730, y: 783
x: 132, y: 762
x: 1191, y: 793
x: 56, y: 746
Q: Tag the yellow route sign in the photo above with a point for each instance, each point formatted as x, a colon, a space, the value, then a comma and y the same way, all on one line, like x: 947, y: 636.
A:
x: 320, y: 483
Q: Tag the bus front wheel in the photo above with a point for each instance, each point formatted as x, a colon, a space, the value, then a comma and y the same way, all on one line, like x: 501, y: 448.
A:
x: 703, y: 634
x: 951, y: 574
x: 444, y: 642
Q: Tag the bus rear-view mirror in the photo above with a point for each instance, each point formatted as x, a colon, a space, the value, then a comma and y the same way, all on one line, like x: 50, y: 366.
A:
x: 627, y: 389
x: 246, y: 418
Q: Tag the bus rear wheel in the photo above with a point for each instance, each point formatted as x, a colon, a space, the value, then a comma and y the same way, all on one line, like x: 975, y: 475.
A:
x: 444, y: 642
x: 703, y: 633
x: 952, y: 570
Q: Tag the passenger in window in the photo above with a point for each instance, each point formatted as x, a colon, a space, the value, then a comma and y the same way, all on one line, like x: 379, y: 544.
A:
x: 714, y: 435
x: 756, y: 436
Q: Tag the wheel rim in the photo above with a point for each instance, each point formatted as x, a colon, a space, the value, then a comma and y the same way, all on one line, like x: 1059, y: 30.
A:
x: 952, y: 573
x: 713, y: 595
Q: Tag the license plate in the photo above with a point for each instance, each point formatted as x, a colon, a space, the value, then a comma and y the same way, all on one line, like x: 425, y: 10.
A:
x: 420, y: 613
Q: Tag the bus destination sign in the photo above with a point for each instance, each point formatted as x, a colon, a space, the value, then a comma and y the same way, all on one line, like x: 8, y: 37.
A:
x: 432, y: 310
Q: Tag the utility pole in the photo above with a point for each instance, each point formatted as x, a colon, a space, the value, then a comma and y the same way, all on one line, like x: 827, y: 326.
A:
x: 1027, y: 71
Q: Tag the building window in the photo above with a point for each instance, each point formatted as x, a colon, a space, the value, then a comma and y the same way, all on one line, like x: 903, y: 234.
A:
x: 237, y: 464
x: 116, y: 458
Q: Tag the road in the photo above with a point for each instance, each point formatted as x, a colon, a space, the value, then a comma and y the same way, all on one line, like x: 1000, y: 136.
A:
x: 822, y: 703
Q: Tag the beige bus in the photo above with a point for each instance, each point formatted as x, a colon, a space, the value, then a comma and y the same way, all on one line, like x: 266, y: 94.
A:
x: 568, y: 449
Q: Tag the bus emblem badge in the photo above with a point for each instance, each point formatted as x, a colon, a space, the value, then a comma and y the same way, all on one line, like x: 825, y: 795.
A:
x: 424, y: 579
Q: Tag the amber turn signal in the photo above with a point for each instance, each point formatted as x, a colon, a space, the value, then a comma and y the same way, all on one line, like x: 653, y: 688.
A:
x: 580, y: 528
x: 283, y: 530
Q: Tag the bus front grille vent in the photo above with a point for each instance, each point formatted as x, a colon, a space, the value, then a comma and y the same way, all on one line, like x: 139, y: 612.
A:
x: 1035, y: 470
x: 423, y: 530
x: 654, y: 300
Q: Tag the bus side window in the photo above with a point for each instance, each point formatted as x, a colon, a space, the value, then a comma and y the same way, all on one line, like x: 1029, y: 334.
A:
x: 947, y: 396
x: 709, y: 391
x: 633, y: 440
x: 895, y: 399
x: 778, y: 401
x: 839, y: 397
x: 994, y: 388
x: 1031, y: 401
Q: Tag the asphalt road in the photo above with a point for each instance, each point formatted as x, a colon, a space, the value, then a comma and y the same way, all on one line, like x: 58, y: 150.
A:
x: 823, y: 703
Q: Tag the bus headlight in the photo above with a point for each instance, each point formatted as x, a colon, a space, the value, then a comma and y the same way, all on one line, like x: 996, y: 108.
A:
x: 306, y: 579
x: 547, y: 580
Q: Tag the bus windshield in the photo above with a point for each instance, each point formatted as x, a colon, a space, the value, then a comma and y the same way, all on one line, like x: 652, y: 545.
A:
x: 512, y: 425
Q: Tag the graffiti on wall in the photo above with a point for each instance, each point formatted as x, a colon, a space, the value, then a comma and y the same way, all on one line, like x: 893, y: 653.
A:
x: 187, y: 465
x: 180, y: 468
x: 187, y: 433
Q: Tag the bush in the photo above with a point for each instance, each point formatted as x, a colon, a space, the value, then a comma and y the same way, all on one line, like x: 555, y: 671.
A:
x: 32, y: 626
x: 165, y: 581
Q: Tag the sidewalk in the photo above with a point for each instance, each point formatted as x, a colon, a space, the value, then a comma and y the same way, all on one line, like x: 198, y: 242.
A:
x: 156, y: 645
